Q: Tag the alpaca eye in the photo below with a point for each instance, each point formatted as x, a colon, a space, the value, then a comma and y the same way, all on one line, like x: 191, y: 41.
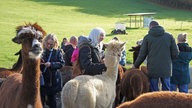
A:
x: 40, y: 39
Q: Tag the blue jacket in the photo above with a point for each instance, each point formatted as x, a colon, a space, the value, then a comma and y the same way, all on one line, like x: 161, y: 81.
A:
x: 123, y: 58
x: 181, y: 65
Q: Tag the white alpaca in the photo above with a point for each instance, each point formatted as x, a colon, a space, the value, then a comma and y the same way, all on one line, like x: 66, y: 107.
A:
x: 96, y: 91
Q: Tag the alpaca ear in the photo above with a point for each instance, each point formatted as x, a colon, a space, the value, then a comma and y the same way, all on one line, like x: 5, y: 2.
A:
x: 19, y: 52
x: 105, y: 45
x: 16, y: 40
x: 121, y: 46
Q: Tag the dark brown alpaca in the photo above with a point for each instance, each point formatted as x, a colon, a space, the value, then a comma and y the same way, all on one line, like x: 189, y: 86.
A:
x: 134, y: 83
x: 119, y: 97
x: 163, y: 99
x: 23, y: 90
x: 17, y: 67
x: 135, y: 51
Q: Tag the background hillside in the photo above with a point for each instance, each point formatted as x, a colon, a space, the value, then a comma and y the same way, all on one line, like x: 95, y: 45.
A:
x: 77, y: 17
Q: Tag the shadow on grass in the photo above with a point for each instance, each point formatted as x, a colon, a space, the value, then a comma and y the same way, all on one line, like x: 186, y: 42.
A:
x: 116, y: 8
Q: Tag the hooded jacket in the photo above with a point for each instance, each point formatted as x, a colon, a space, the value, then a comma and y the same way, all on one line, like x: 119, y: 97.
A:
x: 160, y: 48
x: 89, y: 57
x: 181, y: 65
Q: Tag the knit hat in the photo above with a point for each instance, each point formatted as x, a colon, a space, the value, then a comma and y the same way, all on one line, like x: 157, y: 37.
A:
x: 182, y: 38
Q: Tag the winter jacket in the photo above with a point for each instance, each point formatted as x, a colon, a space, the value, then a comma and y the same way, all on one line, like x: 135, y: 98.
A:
x: 123, y: 58
x: 181, y: 65
x: 75, y: 55
x: 160, y: 48
x: 89, y: 58
x: 68, y: 53
x: 52, y: 77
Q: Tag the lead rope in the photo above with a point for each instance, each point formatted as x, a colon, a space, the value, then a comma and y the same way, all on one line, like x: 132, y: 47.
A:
x: 49, y: 58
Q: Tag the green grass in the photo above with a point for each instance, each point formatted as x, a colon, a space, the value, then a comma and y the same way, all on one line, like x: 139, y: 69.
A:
x: 77, y: 17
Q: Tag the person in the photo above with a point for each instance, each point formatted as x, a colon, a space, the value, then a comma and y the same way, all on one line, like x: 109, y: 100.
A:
x: 69, y: 48
x: 63, y: 43
x: 51, y: 60
x: 75, y: 57
x: 160, y: 48
x: 181, y: 76
x: 123, y: 55
x: 90, y: 52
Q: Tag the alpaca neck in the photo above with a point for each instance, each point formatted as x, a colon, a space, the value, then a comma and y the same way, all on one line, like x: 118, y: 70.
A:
x: 112, y: 72
x: 30, y: 80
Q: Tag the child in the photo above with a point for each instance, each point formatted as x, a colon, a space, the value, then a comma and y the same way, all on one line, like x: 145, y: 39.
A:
x: 180, y: 71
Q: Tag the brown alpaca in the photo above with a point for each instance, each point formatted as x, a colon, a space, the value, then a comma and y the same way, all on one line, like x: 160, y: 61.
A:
x: 163, y: 99
x: 17, y: 67
x: 23, y: 90
x: 134, y: 83
x: 119, y: 97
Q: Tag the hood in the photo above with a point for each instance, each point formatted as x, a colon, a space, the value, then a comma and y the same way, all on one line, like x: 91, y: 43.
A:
x: 156, y: 31
x: 82, y: 40
x: 184, y: 47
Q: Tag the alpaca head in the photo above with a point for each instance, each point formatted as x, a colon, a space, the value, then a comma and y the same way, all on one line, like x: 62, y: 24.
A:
x: 30, y: 36
x: 113, y: 52
x: 139, y: 42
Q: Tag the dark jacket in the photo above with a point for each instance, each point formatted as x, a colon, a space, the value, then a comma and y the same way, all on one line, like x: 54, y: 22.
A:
x: 63, y: 46
x: 181, y: 65
x: 51, y: 75
x: 89, y: 58
x: 68, y: 53
x: 160, y: 48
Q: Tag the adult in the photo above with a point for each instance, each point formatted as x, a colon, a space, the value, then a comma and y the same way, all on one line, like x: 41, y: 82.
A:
x: 90, y: 52
x: 160, y: 48
x: 63, y: 43
x: 52, y: 59
x: 181, y: 76
x: 69, y: 48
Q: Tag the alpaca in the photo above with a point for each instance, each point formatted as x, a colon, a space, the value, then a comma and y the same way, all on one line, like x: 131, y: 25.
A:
x: 2, y: 80
x: 97, y: 91
x: 119, y: 96
x: 134, y: 83
x: 136, y: 49
x: 162, y: 99
x: 23, y: 90
x: 17, y: 67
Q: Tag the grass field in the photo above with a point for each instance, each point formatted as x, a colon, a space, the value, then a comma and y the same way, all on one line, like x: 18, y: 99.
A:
x: 77, y: 17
